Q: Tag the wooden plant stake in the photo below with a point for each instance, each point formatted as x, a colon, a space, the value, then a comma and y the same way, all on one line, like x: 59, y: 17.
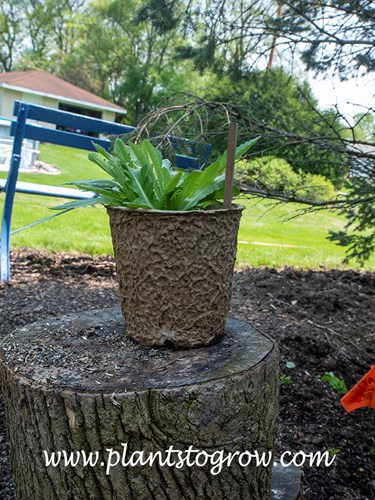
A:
x: 229, y: 171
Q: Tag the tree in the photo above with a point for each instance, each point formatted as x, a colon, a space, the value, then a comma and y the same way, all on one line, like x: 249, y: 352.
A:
x: 52, y: 30
x: 230, y: 36
x: 359, y: 209
x: 332, y: 33
x: 11, y: 32
x: 326, y: 33
x: 128, y: 57
x: 109, y: 47
x: 364, y: 127
x: 284, y: 112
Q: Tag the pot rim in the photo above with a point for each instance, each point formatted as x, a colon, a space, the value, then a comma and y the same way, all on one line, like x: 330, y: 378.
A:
x: 234, y: 207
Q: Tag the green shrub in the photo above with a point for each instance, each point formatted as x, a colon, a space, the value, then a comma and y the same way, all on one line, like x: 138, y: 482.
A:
x: 315, y: 188
x: 274, y: 175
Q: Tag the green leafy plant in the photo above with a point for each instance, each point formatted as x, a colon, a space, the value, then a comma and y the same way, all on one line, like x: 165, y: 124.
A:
x: 286, y: 379
x: 334, y: 451
x: 335, y: 382
x: 142, y: 178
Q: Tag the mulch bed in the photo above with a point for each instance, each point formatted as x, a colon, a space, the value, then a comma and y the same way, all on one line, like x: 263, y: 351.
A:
x: 323, y: 321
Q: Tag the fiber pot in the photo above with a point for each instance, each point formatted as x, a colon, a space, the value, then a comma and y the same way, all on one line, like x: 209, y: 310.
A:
x: 175, y: 273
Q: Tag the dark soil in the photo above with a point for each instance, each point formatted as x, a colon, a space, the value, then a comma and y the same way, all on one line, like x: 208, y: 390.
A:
x: 322, y: 321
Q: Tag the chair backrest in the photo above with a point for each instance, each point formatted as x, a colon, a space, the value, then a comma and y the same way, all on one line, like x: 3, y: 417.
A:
x: 22, y: 129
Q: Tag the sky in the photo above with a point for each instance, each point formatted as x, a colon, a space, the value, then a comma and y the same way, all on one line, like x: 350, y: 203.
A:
x: 351, y: 96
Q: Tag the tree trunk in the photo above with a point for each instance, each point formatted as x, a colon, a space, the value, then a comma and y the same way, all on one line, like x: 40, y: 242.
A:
x: 274, y: 38
x: 79, y: 383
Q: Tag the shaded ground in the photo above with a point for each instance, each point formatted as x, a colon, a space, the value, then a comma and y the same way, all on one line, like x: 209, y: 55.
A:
x: 322, y: 321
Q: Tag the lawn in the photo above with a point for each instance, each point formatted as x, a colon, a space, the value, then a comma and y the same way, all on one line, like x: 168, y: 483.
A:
x: 268, y: 236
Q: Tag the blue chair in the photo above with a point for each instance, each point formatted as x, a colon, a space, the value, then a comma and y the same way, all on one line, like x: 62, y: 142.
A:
x: 22, y: 129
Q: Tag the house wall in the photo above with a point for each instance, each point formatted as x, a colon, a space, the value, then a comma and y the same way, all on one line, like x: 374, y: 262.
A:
x: 7, y: 99
x: 109, y: 116
x: 8, y: 96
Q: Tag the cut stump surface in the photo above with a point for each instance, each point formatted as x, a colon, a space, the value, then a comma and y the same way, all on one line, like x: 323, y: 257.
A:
x: 79, y: 382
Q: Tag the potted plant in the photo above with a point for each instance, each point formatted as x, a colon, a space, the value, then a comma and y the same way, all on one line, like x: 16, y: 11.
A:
x: 174, y: 243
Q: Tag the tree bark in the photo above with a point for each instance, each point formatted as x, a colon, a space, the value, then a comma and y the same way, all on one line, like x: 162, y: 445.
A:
x: 79, y: 383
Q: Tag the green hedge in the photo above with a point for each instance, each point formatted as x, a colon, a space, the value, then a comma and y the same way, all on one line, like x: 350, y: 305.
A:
x: 275, y: 175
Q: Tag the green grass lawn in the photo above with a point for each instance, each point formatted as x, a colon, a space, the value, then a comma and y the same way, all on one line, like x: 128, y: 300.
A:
x: 266, y: 237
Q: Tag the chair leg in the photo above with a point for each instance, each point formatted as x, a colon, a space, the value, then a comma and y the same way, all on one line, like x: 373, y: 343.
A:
x: 10, y: 189
x: 4, y: 250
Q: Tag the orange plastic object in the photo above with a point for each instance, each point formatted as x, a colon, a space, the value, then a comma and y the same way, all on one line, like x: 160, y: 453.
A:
x: 362, y: 394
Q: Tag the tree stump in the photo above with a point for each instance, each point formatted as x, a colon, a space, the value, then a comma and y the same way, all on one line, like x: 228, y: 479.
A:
x: 79, y: 383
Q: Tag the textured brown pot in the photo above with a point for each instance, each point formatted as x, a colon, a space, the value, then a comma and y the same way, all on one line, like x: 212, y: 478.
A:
x: 175, y: 273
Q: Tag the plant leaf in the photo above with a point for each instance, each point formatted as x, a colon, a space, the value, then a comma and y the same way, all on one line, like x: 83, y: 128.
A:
x: 137, y: 154
x: 102, y: 151
x: 79, y: 203
x: 142, y: 186
x: 104, y: 187
x: 113, y: 166
x: 122, y: 151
